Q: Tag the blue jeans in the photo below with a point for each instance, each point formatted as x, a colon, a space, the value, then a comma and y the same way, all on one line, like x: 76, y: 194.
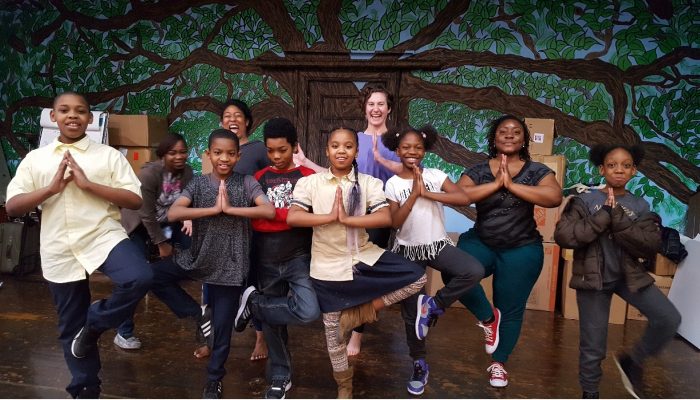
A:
x: 166, y: 277
x: 128, y: 270
x: 594, y: 310
x: 287, y: 297
x: 140, y: 238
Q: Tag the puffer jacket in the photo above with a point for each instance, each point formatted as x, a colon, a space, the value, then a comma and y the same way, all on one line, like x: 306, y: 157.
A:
x: 579, y: 230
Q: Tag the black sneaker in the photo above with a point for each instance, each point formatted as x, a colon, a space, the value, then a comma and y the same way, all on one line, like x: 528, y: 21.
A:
x: 245, y: 313
x: 631, y: 374
x: 84, y: 342
x: 205, y: 330
x: 590, y: 395
x: 213, y: 390
x: 278, y: 389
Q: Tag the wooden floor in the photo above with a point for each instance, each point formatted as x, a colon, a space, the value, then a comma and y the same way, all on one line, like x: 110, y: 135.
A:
x: 544, y: 364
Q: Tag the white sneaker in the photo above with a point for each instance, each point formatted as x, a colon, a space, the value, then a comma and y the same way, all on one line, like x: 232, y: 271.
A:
x: 132, y: 343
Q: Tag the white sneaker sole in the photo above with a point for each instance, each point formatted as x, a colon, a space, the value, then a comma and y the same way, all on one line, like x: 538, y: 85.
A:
x: 419, y: 310
x: 625, y: 380
x: 418, y: 393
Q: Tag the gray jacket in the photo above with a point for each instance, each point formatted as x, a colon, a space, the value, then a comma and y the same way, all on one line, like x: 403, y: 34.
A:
x: 579, y: 230
x: 151, y: 177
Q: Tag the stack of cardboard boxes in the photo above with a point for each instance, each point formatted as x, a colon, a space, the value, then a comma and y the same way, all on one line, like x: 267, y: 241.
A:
x: 136, y: 136
x: 543, y: 295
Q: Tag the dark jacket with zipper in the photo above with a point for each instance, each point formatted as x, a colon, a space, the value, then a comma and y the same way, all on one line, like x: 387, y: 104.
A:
x: 580, y: 230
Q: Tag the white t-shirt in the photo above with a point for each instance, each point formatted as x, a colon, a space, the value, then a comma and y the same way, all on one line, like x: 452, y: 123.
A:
x: 423, y: 233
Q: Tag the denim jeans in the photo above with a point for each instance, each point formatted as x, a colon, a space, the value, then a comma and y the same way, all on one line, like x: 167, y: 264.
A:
x: 129, y: 272
x: 140, y: 238
x: 287, y: 297
x: 166, y: 277
x: 594, y: 310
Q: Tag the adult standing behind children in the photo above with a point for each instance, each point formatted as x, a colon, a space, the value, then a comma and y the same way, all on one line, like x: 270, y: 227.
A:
x: 506, y: 188
x: 282, y: 258
x: 80, y: 186
x: 220, y: 205
x: 613, y: 232
x: 162, y: 182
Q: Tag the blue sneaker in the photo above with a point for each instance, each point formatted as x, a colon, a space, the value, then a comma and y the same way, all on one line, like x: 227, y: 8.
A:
x: 421, y: 370
x: 426, y: 315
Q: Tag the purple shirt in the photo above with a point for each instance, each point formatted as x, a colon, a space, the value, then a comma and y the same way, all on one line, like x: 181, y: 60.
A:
x: 365, y: 157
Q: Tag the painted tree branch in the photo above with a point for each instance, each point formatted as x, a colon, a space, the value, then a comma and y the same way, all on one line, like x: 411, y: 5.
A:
x: 152, y: 12
x: 277, y: 17
x: 428, y: 34
x: 327, y: 14
x: 587, y: 133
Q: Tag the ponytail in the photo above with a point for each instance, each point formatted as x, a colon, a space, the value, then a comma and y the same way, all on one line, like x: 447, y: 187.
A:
x: 354, y: 198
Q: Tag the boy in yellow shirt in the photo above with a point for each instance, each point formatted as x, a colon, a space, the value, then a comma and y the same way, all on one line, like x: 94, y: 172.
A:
x: 80, y: 185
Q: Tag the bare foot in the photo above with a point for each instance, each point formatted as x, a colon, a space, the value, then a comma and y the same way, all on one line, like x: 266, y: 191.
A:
x: 260, y: 350
x: 202, y: 352
x: 354, y: 344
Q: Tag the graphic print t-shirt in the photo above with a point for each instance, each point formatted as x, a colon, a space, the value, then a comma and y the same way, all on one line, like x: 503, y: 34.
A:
x: 275, y: 241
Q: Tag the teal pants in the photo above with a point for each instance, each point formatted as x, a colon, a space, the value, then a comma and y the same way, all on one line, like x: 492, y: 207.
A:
x: 515, y: 272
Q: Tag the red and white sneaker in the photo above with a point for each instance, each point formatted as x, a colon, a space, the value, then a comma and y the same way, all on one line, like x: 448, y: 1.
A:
x: 491, y: 335
x: 499, y: 376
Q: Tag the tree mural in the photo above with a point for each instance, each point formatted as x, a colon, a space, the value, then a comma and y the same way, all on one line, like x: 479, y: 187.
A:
x: 620, y: 71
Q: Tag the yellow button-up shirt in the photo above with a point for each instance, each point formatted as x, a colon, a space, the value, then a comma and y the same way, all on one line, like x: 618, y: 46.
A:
x: 78, y: 229
x: 331, y: 259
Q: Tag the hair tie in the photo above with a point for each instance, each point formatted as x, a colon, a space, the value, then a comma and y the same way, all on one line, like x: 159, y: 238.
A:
x: 398, y: 134
x: 423, y: 134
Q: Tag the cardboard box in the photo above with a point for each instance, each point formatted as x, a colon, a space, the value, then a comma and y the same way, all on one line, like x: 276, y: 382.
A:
x: 544, y: 294
x: 663, y: 283
x: 541, y: 135
x: 546, y: 218
x: 136, y: 130
x: 206, y: 164
x: 137, y: 156
x: 569, y: 308
x: 663, y: 266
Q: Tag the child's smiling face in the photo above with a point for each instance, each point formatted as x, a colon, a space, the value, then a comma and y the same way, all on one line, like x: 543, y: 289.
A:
x: 223, y: 154
x: 72, y: 115
x: 411, y: 150
x: 618, y: 168
x: 341, y: 149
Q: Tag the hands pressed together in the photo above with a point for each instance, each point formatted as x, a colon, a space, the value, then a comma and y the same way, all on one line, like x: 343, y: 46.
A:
x: 75, y: 174
x: 503, y: 178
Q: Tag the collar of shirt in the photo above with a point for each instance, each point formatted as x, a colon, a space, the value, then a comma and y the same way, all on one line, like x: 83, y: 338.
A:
x: 81, y: 144
x: 327, y: 174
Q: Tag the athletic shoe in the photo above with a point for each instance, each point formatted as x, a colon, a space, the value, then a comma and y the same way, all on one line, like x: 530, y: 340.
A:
x: 631, y: 374
x: 84, y: 342
x: 213, y: 390
x: 278, y: 389
x: 132, y: 343
x: 491, y: 335
x: 426, y: 315
x: 498, y: 376
x: 245, y: 312
x: 421, y: 370
x: 590, y: 395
